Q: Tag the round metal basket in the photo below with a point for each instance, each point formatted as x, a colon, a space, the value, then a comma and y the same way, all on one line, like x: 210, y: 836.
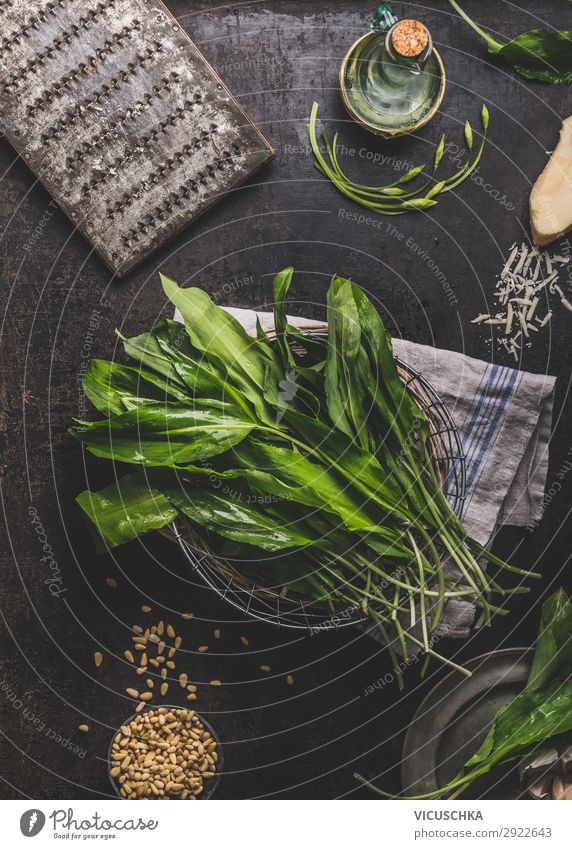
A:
x: 284, y: 608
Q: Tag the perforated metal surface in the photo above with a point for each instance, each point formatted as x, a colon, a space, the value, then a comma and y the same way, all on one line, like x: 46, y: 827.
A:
x: 121, y: 117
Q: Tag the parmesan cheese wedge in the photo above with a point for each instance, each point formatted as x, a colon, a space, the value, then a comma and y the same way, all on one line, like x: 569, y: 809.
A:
x: 551, y: 196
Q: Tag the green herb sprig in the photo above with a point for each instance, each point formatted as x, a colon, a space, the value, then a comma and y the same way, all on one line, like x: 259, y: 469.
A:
x: 393, y: 198
x: 539, y: 54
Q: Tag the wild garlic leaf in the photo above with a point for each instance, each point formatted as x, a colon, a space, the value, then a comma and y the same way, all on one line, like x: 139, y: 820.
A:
x: 280, y: 287
x: 223, y: 341
x: 532, y: 717
x: 146, y: 351
x: 234, y: 515
x: 539, y: 54
x: 553, y: 650
x: 127, y: 509
x: 201, y: 378
x: 285, y: 471
x: 344, y: 392
x: 398, y: 408
x: 113, y: 388
x: 167, y: 434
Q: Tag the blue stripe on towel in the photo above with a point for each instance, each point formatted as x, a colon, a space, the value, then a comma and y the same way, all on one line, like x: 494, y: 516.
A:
x: 477, y: 403
x: 484, y: 409
x: 482, y: 427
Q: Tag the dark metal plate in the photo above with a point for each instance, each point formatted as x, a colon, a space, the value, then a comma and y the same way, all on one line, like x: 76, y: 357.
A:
x: 452, y: 721
x: 121, y: 117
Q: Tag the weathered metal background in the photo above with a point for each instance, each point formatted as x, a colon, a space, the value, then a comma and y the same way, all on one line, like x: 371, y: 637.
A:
x: 121, y: 117
x: 59, y: 308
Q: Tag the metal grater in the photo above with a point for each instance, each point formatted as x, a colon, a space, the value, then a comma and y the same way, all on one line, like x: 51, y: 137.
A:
x: 122, y: 118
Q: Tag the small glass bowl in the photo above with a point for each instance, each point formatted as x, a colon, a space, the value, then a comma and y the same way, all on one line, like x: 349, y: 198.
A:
x: 209, y: 784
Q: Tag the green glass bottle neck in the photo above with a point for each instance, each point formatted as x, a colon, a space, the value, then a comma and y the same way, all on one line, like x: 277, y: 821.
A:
x: 382, y: 18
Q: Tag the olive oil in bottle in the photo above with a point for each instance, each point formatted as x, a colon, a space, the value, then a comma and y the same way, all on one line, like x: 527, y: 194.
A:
x: 392, y: 79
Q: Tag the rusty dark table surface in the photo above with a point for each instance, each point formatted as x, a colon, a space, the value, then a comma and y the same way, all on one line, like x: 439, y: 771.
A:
x: 60, y: 306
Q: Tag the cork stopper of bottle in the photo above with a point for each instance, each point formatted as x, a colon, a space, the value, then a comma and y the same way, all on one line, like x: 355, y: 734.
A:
x: 409, y: 38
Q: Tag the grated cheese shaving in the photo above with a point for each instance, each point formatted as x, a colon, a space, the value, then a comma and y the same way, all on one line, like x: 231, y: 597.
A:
x: 528, y: 277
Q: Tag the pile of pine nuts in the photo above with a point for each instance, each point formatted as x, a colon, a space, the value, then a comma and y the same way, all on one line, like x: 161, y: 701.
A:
x: 156, y: 637
x: 164, y: 753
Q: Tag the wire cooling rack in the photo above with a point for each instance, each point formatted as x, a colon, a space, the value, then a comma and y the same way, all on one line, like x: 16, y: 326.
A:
x: 278, y: 606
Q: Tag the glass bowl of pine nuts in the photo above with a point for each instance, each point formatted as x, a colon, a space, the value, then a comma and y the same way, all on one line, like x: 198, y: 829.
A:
x: 165, y: 752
